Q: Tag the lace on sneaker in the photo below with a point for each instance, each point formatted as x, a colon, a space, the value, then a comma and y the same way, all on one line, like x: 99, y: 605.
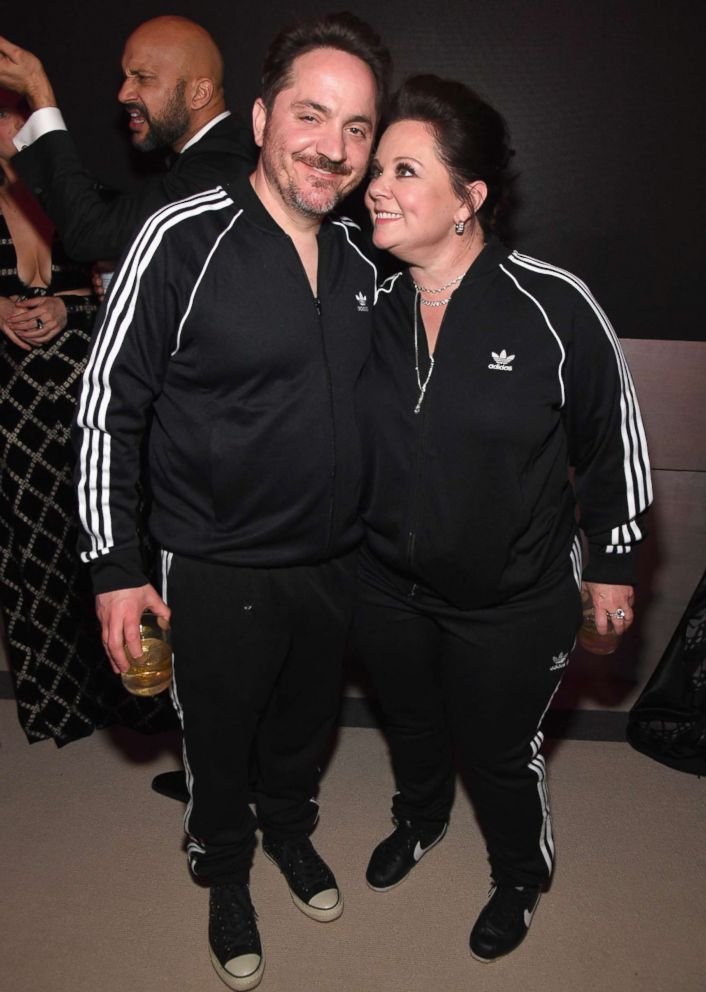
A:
x: 232, y: 921
x: 300, y: 861
x: 400, y: 841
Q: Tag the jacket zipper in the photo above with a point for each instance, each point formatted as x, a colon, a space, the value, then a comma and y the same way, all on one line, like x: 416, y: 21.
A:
x: 329, y: 384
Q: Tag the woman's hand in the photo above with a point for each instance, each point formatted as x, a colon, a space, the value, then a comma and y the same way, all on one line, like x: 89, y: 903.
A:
x: 38, y: 319
x: 607, y: 599
x: 7, y: 307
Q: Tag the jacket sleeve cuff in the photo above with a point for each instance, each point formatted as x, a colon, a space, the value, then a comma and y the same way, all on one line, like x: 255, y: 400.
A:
x: 39, y: 123
x: 613, y: 569
x: 118, y: 570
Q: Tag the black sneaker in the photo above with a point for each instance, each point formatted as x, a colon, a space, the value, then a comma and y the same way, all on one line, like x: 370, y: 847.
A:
x: 395, y: 857
x: 233, y: 940
x: 172, y: 785
x: 311, y: 882
x: 504, y: 921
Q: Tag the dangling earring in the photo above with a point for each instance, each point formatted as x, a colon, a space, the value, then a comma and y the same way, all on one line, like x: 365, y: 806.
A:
x: 459, y: 226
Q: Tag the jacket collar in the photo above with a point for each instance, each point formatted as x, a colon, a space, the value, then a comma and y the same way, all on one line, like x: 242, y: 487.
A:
x: 484, y: 265
x: 243, y: 195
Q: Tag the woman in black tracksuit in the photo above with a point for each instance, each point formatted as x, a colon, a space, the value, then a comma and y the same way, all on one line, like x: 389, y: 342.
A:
x: 492, y: 373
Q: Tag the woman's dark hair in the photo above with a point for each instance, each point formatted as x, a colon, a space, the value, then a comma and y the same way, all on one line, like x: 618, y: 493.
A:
x: 9, y: 100
x: 343, y: 31
x: 472, y: 138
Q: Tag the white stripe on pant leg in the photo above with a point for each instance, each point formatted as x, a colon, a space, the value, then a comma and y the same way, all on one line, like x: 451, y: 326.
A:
x: 576, y: 555
x: 193, y: 846
x: 546, y: 836
x: 538, y: 767
x: 166, y: 561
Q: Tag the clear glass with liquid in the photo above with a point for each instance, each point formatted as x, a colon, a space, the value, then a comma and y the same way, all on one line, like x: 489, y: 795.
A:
x: 151, y: 673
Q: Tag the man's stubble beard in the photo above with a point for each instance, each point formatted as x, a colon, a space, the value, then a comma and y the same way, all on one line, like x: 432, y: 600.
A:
x: 171, y: 125
x: 291, y: 193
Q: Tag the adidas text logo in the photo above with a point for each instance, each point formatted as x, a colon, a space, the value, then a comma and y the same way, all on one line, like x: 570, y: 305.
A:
x: 560, y: 661
x: 362, y: 302
x: 501, y: 362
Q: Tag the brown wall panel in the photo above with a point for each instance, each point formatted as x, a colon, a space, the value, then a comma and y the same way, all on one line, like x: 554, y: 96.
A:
x: 673, y: 560
x: 670, y: 378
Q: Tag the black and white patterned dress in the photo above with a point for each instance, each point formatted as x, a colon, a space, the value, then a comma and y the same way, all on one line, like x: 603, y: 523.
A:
x: 63, y: 685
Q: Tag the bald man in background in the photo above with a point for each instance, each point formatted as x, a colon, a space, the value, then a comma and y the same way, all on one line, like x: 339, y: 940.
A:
x: 173, y: 94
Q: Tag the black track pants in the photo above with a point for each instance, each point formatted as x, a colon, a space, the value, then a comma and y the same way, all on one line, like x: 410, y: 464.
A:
x: 257, y: 681
x: 479, y: 681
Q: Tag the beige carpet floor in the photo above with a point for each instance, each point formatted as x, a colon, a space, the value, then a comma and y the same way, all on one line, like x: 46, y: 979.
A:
x: 96, y: 896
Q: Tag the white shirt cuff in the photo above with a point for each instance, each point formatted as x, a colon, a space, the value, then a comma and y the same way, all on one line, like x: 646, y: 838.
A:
x: 43, y: 120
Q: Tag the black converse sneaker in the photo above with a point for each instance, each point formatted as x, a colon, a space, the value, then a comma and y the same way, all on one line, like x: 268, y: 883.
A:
x: 395, y: 857
x: 311, y: 883
x: 504, y: 921
x: 233, y: 940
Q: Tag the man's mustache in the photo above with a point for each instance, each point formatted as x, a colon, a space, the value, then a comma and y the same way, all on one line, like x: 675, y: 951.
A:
x: 325, y: 163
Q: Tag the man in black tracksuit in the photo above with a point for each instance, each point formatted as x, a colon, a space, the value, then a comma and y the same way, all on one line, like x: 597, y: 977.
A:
x: 238, y: 324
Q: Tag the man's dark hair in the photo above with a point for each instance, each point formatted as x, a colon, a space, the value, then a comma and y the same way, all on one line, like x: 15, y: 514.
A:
x: 343, y: 31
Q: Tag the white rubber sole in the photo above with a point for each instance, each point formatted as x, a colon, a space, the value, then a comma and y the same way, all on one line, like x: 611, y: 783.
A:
x: 320, y: 915
x: 239, y: 983
x: 313, y: 912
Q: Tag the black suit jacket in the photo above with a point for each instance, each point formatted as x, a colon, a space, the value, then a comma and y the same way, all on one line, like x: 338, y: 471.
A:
x: 93, y: 227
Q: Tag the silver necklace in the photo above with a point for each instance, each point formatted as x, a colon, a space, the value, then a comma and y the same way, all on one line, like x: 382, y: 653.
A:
x: 422, y: 385
x: 435, y: 303
x: 421, y: 289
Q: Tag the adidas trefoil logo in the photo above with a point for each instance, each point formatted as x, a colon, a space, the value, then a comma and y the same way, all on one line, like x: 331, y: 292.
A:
x: 501, y: 362
x: 362, y: 300
x: 560, y: 660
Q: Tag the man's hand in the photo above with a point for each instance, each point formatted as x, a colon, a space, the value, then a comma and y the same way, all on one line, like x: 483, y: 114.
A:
x: 607, y: 599
x: 23, y: 73
x: 119, y: 615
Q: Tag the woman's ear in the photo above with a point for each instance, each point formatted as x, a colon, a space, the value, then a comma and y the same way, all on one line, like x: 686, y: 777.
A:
x: 477, y: 194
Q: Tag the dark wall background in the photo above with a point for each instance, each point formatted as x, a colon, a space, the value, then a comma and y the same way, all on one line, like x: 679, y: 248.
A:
x: 605, y: 102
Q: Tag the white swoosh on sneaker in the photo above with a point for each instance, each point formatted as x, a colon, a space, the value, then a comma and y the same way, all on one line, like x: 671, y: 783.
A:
x: 419, y: 851
x: 529, y: 913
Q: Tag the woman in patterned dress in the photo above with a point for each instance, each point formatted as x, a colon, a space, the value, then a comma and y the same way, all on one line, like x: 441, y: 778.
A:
x: 46, y: 314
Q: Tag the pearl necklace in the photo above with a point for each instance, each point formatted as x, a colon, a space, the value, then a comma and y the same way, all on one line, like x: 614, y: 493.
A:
x: 422, y: 385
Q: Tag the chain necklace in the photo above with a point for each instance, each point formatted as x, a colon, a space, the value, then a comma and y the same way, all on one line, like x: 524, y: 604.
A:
x: 421, y: 289
x: 422, y: 385
x: 428, y: 303
x: 435, y: 303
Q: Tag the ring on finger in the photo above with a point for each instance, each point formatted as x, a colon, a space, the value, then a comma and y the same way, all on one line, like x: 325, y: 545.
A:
x: 619, y: 614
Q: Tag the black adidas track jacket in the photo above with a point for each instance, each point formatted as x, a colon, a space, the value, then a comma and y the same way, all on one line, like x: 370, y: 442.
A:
x: 471, y: 496
x: 211, y: 340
